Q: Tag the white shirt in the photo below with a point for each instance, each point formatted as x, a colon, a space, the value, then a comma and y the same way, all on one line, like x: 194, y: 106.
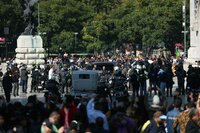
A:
x: 93, y: 114
x: 50, y: 73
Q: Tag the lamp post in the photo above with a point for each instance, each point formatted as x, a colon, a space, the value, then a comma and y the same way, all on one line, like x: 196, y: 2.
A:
x: 6, y: 32
x: 75, y: 34
x: 185, y: 28
x: 60, y: 51
x: 47, y: 52
x: 38, y: 16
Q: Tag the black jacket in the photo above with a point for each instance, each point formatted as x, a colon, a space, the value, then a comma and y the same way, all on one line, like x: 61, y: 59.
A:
x: 192, y: 127
x: 153, y: 128
x: 7, y: 82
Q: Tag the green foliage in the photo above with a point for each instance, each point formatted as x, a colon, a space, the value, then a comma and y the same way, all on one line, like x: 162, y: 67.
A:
x: 100, y: 24
x: 10, y: 13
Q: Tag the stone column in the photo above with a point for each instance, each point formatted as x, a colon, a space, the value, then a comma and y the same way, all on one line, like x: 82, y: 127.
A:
x: 194, y: 50
x: 30, y: 50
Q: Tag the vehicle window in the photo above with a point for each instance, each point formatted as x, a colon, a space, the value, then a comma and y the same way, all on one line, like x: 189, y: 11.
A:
x: 84, y: 76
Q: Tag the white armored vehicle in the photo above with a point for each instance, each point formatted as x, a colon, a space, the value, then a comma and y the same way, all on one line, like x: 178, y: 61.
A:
x: 84, y: 83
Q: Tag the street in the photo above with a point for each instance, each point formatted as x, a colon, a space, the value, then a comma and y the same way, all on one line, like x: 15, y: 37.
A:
x: 40, y: 95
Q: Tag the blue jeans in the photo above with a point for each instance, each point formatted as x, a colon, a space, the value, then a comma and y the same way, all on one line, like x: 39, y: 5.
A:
x: 143, y: 88
x: 24, y: 86
x: 162, y: 87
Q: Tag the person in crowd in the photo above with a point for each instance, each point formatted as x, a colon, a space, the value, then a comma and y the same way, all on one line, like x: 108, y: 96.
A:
x: 134, y: 82
x: 183, y: 118
x: 192, y: 80
x: 124, y: 69
x: 15, y: 77
x: 35, y: 80
x: 121, y: 122
x: 1, y: 78
x: 192, y: 96
x: 51, y: 74
x: 34, y: 115
x: 24, y: 78
x: 53, y: 91
x: 7, y: 84
x: 15, y: 117
x: 181, y: 74
x: 152, y: 75
x: 88, y: 130
x: 68, y: 111
x: 162, y: 77
x: 93, y: 114
x: 198, y: 103
x: 2, y: 122
x: 64, y: 78
x: 74, y: 127
x: 20, y: 125
x: 49, y: 125
x: 139, y: 111
x: 169, y: 80
x: 172, y: 114
x: 119, y: 80
x: 155, y: 106
x: 193, y: 124
x: 83, y: 119
x: 142, y: 77
x: 177, y: 94
x: 154, y: 125
x: 99, y: 126
x: 94, y: 110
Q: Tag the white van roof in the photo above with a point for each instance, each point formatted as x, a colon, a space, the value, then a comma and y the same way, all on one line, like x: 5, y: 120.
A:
x: 85, y: 72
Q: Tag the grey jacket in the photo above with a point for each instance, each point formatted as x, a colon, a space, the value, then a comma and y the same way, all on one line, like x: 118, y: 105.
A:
x: 24, y: 74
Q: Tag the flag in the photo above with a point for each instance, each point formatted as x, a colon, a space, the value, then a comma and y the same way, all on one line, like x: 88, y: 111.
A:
x: 2, y: 39
x: 178, y: 44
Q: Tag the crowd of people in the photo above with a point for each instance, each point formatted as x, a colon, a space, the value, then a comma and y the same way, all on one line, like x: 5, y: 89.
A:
x: 96, y: 114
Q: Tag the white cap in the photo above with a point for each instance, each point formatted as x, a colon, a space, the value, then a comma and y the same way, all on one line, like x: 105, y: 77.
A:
x: 156, y: 101
x: 116, y: 68
x: 163, y: 117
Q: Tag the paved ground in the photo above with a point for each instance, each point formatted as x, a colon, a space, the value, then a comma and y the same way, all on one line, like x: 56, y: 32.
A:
x: 23, y: 97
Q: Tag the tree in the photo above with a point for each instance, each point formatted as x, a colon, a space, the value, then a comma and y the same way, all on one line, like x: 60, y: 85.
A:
x: 148, y: 23
x: 10, y: 16
x: 102, y: 25
x: 61, y: 19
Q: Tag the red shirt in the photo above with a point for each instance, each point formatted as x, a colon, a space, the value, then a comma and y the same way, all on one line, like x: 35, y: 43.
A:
x: 71, y: 114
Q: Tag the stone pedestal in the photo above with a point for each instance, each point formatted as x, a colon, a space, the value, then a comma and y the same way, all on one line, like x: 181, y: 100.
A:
x: 193, y: 54
x: 194, y: 50
x: 30, y: 50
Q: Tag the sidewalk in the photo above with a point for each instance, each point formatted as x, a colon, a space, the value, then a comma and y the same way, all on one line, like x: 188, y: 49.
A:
x: 22, y: 96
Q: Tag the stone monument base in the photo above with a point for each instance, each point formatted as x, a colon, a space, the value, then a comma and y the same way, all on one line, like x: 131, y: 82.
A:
x: 30, y: 50
x: 193, y: 55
